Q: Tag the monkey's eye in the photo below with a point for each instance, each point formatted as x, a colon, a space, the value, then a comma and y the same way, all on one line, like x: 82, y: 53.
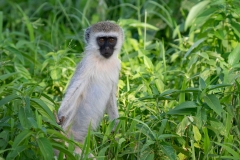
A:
x: 112, y: 40
x: 101, y: 40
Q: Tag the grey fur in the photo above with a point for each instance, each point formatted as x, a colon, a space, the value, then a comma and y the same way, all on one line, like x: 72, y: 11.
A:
x: 105, y: 26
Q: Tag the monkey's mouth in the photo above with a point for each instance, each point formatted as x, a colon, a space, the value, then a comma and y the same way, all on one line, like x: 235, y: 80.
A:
x: 106, y: 53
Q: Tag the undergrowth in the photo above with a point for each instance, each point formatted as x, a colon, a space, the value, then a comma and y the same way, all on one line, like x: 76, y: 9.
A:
x: 179, y: 86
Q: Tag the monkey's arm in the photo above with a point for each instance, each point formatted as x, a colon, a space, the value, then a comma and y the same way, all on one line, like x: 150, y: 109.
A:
x: 112, y: 109
x: 72, y: 97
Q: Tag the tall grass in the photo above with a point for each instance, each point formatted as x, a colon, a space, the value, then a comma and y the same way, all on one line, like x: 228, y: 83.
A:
x: 179, y: 86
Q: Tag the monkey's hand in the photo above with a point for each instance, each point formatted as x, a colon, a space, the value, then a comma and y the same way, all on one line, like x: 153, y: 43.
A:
x: 59, y: 121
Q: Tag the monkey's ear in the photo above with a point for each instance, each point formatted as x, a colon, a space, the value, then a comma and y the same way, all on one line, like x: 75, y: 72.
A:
x: 87, y: 34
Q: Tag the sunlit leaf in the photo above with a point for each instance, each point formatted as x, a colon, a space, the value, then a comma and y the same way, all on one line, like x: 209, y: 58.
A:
x: 22, y: 71
x: 43, y: 108
x: 195, y: 10
x: 148, y: 63
x: 196, y: 44
x: 182, y: 126
x: 218, y: 127
x: 234, y: 56
x: 197, y: 134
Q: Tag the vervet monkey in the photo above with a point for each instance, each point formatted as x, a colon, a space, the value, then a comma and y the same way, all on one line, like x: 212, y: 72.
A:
x: 92, y: 89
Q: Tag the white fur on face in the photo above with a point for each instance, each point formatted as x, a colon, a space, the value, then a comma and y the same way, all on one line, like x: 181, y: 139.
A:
x: 92, y: 44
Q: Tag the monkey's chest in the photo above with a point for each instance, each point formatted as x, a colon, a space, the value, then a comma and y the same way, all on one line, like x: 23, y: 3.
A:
x: 97, y: 93
x: 100, y: 91
x: 94, y: 102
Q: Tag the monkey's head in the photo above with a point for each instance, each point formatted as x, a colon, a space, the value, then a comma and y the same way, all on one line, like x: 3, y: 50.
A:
x: 106, y: 37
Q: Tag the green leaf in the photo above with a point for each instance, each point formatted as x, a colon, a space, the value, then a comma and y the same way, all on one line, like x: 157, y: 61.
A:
x: 145, y: 129
x: 108, y: 131
x: 202, y: 83
x: 236, y: 28
x: 136, y: 24
x: 43, y: 109
x: 150, y: 156
x: 21, y: 137
x: 55, y: 74
x: 184, y: 108
x: 214, y: 103
x: 234, y: 56
x: 4, y: 139
x: 212, y: 87
x: 15, y: 152
x: 22, y: 71
x: 192, y: 90
x: 197, y: 134
x: 195, y: 10
x: 147, y: 145
x: 203, y: 17
x: 20, y: 54
x: 163, y: 126
x: 220, y: 34
x: 45, y: 147
x: 33, y: 122
x: 218, y: 128
x: 225, y: 157
x: 169, y: 92
x: 196, y: 44
x: 206, y: 141
x: 8, y: 99
x: 23, y: 117
x: 2, y: 151
x: 62, y: 149
x: 148, y: 63
x: 5, y: 76
x: 229, y: 149
x: 160, y: 85
x: 182, y: 126
x: 102, y: 153
x: 169, y: 151
x: 1, y: 25
x: 25, y: 113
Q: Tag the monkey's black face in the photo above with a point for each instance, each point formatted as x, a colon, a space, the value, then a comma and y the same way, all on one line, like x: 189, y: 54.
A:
x: 106, y: 45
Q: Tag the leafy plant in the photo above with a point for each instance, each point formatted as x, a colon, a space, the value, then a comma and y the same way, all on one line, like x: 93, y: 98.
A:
x: 179, y: 86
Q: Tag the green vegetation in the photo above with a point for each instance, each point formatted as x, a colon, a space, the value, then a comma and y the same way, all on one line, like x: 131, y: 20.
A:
x: 179, y: 88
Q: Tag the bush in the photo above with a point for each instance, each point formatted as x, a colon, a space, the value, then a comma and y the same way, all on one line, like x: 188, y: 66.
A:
x: 179, y: 86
